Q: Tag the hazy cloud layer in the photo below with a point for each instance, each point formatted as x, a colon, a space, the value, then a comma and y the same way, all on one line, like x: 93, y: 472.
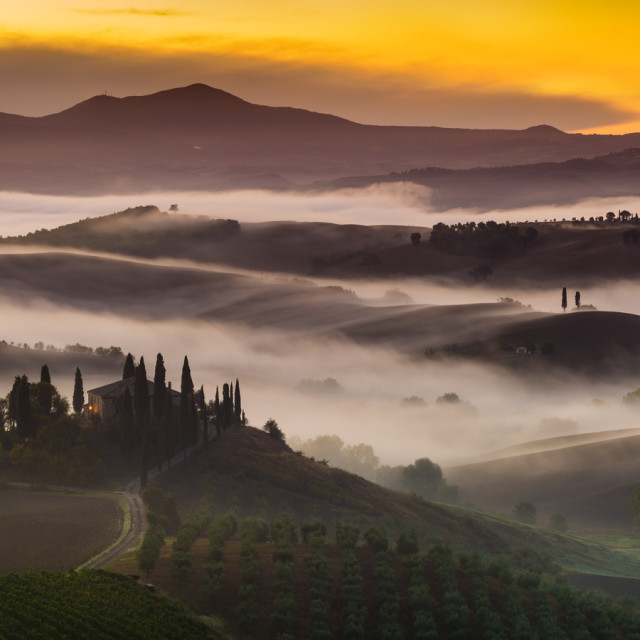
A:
x: 39, y: 79
x: 393, y: 204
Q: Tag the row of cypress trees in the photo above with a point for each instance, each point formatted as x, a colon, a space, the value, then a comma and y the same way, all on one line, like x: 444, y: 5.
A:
x: 152, y: 421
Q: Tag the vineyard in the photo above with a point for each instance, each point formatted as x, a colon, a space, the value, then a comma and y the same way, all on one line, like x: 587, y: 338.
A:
x: 89, y: 604
x: 287, y: 579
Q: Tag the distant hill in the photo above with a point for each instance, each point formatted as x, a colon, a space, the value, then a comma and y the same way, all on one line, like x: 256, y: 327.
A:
x: 198, y: 137
x: 511, y: 187
x: 591, y: 483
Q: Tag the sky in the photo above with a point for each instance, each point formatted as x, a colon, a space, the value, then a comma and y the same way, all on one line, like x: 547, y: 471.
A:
x: 463, y: 63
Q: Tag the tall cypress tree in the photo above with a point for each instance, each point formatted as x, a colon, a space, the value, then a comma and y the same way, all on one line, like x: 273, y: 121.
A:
x: 23, y: 409
x: 45, y: 376
x: 45, y: 390
x: 564, y: 299
x: 159, y: 388
x: 203, y: 415
x: 168, y: 429
x: 13, y: 402
x: 577, y: 299
x: 186, y: 402
x: 78, y: 392
x: 227, y: 410
x: 141, y: 402
x: 237, y: 407
x: 218, y: 417
x: 129, y: 367
x: 126, y: 421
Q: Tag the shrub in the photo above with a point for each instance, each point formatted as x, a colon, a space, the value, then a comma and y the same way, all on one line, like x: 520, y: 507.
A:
x: 272, y: 428
x: 313, y: 529
x: 347, y: 534
x: 284, y: 529
x: 407, y: 542
x: 254, y: 529
x: 376, y: 539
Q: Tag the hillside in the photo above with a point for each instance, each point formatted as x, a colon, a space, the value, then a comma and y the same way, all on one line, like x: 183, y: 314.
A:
x: 252, y: 471
x: 267, y: 583
x: 202, y: 138
x: 587, y: 253
x: 591, y: 483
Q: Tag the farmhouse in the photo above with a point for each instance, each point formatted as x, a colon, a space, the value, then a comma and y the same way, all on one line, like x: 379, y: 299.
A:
x: 103, y: 401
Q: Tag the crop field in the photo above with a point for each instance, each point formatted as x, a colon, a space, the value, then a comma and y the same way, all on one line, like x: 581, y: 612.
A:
x: 50, y: 532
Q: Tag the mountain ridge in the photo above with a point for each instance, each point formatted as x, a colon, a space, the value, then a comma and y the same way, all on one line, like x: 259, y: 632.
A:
x: 202, y: 138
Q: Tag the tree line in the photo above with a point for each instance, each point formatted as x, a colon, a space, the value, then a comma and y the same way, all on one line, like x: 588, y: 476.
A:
x: 154, y: 420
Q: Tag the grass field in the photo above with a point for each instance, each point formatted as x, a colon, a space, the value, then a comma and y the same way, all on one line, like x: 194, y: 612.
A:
x: 51, y: 531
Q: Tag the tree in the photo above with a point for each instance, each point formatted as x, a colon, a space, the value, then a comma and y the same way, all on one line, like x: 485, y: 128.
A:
x: 126, y: 421
x: 558, y: 522
x: 610, y: 216
x: 186, y: 402
x: 12, y: 410
x: 45, y: 376
x: 45, y: 390
x: 173, y: 208
x: 564, y: 299
x: 167, y: 434
x: 415, y: 238
x: 577, y: 299
x: 237, y: 405
x: 423, y: 478
x: 272, y: 428
x: 142, y: 410
x: 217, y: 414
x: 159, y: 388
x: 525, y: 512
x: 203, y: 415
x: 23, y: 409
x: 129, y: 369
x: 227, y: 408
x: 78, y: 392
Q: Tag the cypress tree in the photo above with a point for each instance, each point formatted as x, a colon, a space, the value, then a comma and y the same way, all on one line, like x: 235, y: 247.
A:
x: 13, y: 401
x: 45, y: 390
x: 226, y: 407
x: 577, y: 299
x: 168, y: 429
x: 45, y: 376
x: 129, y: 367
x: 218, y: 417
x: 159, y: 389
x: 141, y: 402
x: 203, y: 409
x: 186, y: 402
x: 238, y: 405
x: 127, y: 422
x: 564, y: 299
x: 78, y: 392
x: 23, y: 409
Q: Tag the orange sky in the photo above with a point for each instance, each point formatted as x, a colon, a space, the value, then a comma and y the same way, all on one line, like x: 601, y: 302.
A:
x: 464, y: 63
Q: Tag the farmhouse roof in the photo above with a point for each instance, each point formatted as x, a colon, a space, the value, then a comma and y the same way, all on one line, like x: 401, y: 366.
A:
x: 116, y: 389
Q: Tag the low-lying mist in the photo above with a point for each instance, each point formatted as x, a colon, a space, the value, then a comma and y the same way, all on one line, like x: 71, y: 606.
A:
x: 399, y: 203
x: 497, y: 410
x: 286, y: 335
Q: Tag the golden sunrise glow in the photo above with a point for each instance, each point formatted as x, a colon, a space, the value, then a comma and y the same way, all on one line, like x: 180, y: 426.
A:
x: 544, y: 48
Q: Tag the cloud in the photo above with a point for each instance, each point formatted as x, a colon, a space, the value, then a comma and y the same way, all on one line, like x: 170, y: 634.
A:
x: 133, y: 12
x: 40, y: 78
